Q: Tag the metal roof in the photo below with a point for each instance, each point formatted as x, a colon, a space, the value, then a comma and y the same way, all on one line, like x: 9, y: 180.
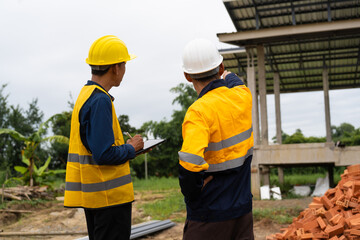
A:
x: 300, y: 38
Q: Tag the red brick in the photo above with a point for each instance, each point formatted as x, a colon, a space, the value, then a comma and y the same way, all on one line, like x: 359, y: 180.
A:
x: 334, y: 230
x: 355, y: 232
x: 348, y: 184
x: 308, y: 226
x: 321, y: 223
x: 336, y: 219
x: 307, y: 236
x: 315, y: 205
x: 327, y: 203
x: 347, y: 214
x: 321, y: 235
x: 353, y: 168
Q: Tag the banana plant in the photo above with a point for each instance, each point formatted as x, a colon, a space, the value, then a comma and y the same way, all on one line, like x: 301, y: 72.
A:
x: 31, y: 143
x: 39, y: 174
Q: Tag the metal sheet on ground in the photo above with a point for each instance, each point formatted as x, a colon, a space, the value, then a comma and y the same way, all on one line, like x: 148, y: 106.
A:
x: 146, y: 228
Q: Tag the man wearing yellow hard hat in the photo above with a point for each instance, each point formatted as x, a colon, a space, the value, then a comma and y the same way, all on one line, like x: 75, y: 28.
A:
x: 97, y: 172
x: 215, y: 158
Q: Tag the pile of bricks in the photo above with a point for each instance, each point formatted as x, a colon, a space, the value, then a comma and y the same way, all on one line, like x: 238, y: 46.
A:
x: 334, y: 216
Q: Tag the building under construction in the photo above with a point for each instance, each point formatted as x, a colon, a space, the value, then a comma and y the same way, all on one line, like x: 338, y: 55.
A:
x: 287, y: 47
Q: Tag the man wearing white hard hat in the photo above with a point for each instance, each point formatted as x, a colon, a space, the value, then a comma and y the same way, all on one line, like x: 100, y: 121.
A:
x: 215, y: 158
x: 97, y: 171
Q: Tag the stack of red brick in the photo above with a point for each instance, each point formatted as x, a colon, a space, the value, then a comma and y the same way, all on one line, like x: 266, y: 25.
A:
x: 334, y: 216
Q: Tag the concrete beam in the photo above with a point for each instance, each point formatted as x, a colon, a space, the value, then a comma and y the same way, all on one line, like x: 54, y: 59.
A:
x: 305, y: 31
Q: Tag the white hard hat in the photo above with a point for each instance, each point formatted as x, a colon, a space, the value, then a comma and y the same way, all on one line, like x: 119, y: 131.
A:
x: 199, y: 56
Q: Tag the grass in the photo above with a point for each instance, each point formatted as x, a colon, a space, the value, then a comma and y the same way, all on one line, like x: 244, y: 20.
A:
x: 279, y: 215
x: 155, y: 184
x: 34, y: 202
x: 173, y: 203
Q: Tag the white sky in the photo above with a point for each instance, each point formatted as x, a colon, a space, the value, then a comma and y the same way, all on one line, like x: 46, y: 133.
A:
x: 44, y: 44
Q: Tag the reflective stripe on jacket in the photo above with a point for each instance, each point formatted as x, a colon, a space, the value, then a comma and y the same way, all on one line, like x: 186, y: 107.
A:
x: 88, y: 184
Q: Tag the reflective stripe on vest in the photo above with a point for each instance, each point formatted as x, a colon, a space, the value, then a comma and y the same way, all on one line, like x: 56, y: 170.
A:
x: 96, y: 187
x: 230, y: 141
x: 229, y: 164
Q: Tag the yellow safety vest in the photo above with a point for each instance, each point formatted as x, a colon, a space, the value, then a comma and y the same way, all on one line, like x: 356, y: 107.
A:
x: 217, y: 130
x: 89, y: 185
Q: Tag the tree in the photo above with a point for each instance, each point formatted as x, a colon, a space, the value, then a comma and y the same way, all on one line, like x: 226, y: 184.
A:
x: 346, y: 134
x: 125, y: 125
x: 15, y: 118
x: 32, y: 142
x: 59, y: 151
x: 163, y: 160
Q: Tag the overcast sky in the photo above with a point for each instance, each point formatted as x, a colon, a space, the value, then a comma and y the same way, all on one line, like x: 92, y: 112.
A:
x: 44, y: 44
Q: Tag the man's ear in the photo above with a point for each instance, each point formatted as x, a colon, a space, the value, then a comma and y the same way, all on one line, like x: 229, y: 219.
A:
x: 114, y: 69
x: 221, y: 69
x: 187, y: 76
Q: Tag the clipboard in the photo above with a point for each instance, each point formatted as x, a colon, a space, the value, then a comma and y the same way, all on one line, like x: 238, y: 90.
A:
x: 150, y: 144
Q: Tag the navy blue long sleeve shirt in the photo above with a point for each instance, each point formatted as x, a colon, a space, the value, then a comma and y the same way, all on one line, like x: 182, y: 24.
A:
x: 96, y: 130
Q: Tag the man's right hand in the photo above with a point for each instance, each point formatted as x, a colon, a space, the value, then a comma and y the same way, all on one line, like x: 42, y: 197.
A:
x: 137, y: 142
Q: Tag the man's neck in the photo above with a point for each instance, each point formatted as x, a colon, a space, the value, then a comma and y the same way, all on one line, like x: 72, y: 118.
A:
x: 102, y: 81
x: 199, y: 85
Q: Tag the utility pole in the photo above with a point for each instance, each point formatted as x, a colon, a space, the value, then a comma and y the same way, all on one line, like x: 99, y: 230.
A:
x: 146, y: 167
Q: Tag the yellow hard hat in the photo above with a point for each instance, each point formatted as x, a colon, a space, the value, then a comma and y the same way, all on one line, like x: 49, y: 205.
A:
x: 108, y: 50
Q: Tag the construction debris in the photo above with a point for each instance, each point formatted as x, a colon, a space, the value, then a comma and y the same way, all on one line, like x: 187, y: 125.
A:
x: 25, y: 193
x: 334, y: 216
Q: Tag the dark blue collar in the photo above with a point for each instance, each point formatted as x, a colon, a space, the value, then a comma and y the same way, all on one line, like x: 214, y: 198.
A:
x: 89, y: 82
x: 212, y: 85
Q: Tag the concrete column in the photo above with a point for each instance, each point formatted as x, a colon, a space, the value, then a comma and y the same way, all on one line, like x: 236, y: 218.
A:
x: 262, y: 93
x: 251, y: 80
x: 325, y: 77
x: 265, y: 175
x: 277, y: 107
x: 278, y: 120
x: 281, y: 175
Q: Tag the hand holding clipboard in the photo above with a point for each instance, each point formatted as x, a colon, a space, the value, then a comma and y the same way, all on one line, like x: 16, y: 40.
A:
x: 147, y: 145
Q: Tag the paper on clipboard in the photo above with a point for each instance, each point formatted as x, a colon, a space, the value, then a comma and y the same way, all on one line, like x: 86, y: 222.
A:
x: 150, y: 144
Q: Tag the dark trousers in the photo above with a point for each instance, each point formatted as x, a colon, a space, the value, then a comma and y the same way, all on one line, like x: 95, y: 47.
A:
x: 239, y: 228
x: 109, y: 223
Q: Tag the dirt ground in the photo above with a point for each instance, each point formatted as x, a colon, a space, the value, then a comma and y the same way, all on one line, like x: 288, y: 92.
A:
x: 53, y: 217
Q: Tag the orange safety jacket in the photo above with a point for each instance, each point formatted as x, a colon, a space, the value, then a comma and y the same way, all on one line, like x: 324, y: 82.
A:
x: 88, y: 184
x: 218, y: 141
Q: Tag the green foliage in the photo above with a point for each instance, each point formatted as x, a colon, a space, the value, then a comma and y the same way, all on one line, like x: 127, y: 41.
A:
x: 59, y: 151
x: 125, y: 125
x: 21, y: 121
x: 346, y: 134
x: 39, y: 174
x: 298, y: 137
x: 32, y: 142
x: 163, y: 160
